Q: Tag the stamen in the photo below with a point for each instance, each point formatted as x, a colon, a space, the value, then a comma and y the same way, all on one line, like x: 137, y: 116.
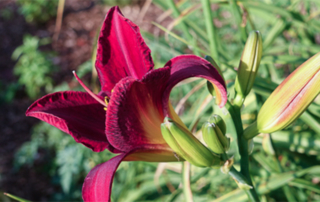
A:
x: 106, y: 99
x: 89, y: 91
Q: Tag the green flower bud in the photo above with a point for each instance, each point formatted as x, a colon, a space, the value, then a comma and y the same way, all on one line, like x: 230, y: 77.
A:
x: 209, y: 84
x: 217, y: 120
x: 211, y: 60
x: 183, y: 143
x: 214, y: 137
x: 289, y: 100
x: 248, y: 67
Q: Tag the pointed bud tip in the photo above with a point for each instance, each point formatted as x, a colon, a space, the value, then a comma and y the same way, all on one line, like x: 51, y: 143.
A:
x: 248, y: 66
x: 167, y: 120
x: 217, y: 121
x: 207, y: 124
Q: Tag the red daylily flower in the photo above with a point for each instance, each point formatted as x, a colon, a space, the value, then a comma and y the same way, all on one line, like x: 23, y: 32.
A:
x: 138, y: 102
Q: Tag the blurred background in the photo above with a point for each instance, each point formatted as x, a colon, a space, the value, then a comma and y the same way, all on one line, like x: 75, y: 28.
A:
x: 42, y: 41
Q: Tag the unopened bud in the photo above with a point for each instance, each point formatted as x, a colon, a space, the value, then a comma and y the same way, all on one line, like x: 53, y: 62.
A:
x: 248, y: 67
x: 217, y: 120
x: 289, y: 100
x: 214, y: 137
x: 187, y: 146
x: 211, y: 60
x: 210, y: 86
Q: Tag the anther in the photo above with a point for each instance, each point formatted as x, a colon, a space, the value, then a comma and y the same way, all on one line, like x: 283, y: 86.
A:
x: 106, y: 99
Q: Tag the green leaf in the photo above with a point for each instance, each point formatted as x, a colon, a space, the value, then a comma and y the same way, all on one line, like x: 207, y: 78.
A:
x: 180, y: 39
x: 305, y: 184
x: 16, y: 197
x: 272, y: 183
x: 267, y: 162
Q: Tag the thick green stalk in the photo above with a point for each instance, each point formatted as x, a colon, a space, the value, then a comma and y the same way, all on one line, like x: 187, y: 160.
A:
x: 236, y: 175
x: 243, y: 149
x: 211, y: 31
x: 186, y: 181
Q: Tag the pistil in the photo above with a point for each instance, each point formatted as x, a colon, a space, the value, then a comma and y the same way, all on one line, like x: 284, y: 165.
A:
x: 94, y: 96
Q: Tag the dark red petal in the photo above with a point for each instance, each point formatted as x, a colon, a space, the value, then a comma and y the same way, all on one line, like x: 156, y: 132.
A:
x: 186, y: 66
x: 98, y: 183
x: 137, y: 108
x: 121, y: 51
x: 75, y: 113
x: 135, y: 112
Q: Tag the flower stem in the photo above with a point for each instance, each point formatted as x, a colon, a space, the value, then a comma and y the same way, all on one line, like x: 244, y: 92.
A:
x: 186, y: 181
x: 236, y: 175
x: 243, y: 149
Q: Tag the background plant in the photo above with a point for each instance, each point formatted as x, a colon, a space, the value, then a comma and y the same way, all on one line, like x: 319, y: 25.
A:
x: 38, y: 10
x: 33, y: 66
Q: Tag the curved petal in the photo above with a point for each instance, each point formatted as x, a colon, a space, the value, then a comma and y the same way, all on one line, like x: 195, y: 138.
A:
x: 75, y: 113
x: 186, y: 66
x: 98, y: 183
x: 121, y: 51
x: 137, y: 108
x: 135, y: 112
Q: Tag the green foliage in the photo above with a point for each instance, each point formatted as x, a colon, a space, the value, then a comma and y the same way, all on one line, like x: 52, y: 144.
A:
x: 16, y: 198
x: 6, y: 13
x: 66, y: 161
x: 8, y: 92
x: 38, y: 11
x: 289, y: 32
x: 33, y: 66
x: 118, y: 2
